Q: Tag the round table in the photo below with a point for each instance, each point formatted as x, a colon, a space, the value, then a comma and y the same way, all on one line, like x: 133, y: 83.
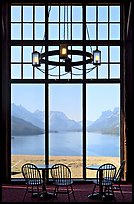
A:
x: 44, y: 168
x: 100, y: 193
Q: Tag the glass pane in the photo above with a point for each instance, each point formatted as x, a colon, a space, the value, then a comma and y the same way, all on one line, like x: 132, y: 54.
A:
x: 102, y: 31
x: 91, y: 13
x: 15, y: 13
x: 27, y: 13
x: 63, y: 14
x: 15, y: 53
x: 53, y: 31
x: 77, y: 72
x: 54, y: 14
x: 76, y: 31
x: 27, y: 71
x: 53, y: 72
x: 15, y: 71
x: 39, y: 13
x: 27, y: 53
x: 115, y: 13
x: 76, y: 14
x: 114, y: 31
x: 40, y: 72
x: 64, y: 74
x: 114, y: 54
x: 104, y: 53
x: 16, y: 31
x: 91, y: 71
x: 65, y: 129
x: 27, y: 126
x: 115, y: 71
x: 103, y: 125
x: 103, y: 13
x: 103, y: 71
x: 91, y: 32
x: 39, y: 31
x: 27, y: 31
x: 65, y: 31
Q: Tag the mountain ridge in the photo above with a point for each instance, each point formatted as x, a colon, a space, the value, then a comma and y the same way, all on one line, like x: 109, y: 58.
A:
x: 107, y: 123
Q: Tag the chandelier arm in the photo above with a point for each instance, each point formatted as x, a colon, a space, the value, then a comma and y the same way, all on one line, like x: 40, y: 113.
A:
x: 82, y: 69
x: 77, y: 68
x: 73, y: 52
x: 77, y: 74
x: 42, y: 70
x: 90, y: 69
x: 57, y: 74
x: 52, y: 68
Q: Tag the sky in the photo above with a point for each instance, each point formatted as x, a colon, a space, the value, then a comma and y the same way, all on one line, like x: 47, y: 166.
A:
x: 68, y: 97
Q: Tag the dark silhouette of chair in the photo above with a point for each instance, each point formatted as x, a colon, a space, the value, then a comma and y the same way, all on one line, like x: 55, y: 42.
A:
x: 104, y: 179
x: 118, y: 177
x: 33, y: 179
x: 61, y: 175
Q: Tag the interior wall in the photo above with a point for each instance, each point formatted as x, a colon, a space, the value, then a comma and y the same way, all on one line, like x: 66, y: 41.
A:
x: 128, y: 82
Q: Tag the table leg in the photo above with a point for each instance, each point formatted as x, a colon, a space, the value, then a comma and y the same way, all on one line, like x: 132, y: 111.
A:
x: 100, y: 193
x: 45, y: 194
x: 100, y: 182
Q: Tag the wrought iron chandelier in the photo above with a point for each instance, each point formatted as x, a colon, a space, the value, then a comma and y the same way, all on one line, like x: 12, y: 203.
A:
x: 39, y: 58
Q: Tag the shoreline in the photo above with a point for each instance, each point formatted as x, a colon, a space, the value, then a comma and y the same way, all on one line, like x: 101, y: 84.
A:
x: 74, y: 162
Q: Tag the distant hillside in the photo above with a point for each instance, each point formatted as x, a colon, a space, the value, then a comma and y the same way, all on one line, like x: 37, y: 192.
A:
x: 20, y: 112
x: 107, y: 123
x: 21, y: 127
x: 26, y: 122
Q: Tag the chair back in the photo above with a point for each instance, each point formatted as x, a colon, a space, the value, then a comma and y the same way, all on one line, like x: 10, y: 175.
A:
x: 31, y: 174
x: 120, y: 171
x: 108, y: 172
x: 61, y: 174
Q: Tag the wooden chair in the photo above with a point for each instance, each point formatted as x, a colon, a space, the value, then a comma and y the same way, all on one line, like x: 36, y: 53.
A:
x: 104, y: 179
x: 61, y: 175
x: 118, y: 177
x: 33, y: 179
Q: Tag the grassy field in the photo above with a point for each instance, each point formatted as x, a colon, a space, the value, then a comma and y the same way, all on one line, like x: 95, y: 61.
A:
x: 74, y: 162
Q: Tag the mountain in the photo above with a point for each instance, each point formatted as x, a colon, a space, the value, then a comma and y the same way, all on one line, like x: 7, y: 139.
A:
x: 107, y: 123
x: 20, y: 112
x: 22, y: 127
x: 60, y: 122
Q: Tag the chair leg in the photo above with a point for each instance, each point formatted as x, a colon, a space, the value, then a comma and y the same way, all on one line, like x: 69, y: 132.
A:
x: 113, y: 193
x: 54, y: 194
x: 73, y: 192
x: 94, y: 189
x: 121, y: 190
x: 25, y: 193
x: 68, y: 194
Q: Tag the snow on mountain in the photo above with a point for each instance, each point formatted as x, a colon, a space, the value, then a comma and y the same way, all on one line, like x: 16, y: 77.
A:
x: 60, y: 122
x: 20, y: 112
x: 107, y: 123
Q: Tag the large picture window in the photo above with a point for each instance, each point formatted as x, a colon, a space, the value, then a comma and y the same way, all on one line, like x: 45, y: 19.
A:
x: 60, y: 116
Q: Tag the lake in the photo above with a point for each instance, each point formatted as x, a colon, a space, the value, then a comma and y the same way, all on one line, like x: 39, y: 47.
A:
x: 67, y: 144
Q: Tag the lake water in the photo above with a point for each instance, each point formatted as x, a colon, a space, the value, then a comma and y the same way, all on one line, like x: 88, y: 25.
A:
x: 67, y: 144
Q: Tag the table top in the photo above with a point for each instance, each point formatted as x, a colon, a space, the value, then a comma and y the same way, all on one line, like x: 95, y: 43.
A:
x: 44, y: 166
x: 93, y: 167
x: 96, y: 167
